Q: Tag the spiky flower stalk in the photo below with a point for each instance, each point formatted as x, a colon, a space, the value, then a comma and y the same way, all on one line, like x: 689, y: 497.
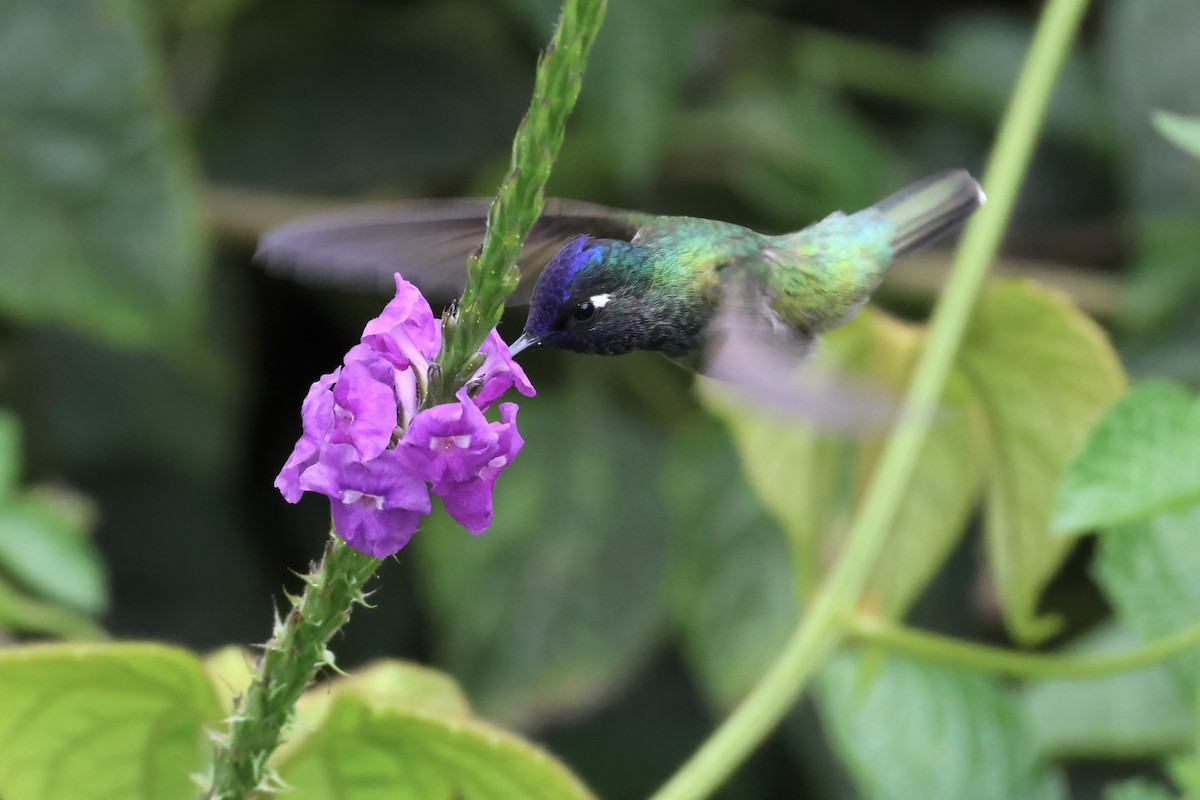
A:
x: 491, y: 273
x: 298, y: 648
x: 289, y: 663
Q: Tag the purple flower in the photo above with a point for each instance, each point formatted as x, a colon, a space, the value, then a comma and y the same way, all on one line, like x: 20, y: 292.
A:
x: 316, y: 413
x: 448, y: 443
x: 469, y: 502
x: 499, y: 372
x: 406, y: 333
x: 369, y: 448
x: 364, y: 411
x: 458, y: 451
x: 376, y: 504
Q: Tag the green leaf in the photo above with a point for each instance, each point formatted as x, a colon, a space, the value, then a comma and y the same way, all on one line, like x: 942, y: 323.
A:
x: 102, y: 721
x: 10, y: 452
x: 101, y: 218
x: 811, y: 481
x: 1136, y: 714
x: 1140, y: 461
x: 399, y: 732
x: 390, y: 684
x: 910, y: 729
x: 45, y: 545
x: 20, y: 612
x: 557, y: 604
x: 1138, y: 789
x: 1043, y: 372
x: 731, y: 585
x: 1148, y: 572
x: 1181, y: 131
x: 230, y: 669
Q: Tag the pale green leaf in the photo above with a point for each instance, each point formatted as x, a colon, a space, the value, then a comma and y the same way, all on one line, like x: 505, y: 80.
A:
x: 368, y: 747
x: 1148, y: 572
x: 102, y: 721
x: 101, y: 220
x: 1043, y: 372
x: 731, y: 586
x: 1141, y: 460
x: 811, y: 482
x: 1136, y: 714
x: 390, y: 684
x: 1181, y: 131
x: 908, y: 729
x: 45, y: 545
x: 230, y: 669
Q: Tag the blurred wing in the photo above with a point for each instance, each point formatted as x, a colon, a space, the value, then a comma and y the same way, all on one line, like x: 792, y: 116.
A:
x: 426, y: 241
x: 770, y: 364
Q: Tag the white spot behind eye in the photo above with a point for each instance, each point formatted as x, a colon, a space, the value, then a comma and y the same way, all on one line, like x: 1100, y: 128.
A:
x: 600, y: 300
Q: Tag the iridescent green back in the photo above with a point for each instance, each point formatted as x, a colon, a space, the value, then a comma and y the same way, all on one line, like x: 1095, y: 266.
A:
x: 823, y: 274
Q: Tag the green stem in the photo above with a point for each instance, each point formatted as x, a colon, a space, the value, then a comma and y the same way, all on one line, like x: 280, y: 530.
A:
x: 491, y: 274
x: 298, y: 648
x: 819, y: 632
x: 289, y: 663
x: 982, y: 658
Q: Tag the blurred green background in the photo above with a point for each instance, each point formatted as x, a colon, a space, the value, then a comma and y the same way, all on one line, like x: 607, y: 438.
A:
x: 632, y: 586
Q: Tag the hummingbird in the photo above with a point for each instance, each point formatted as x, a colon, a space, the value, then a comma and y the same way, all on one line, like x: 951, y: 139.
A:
x: 607, y: 282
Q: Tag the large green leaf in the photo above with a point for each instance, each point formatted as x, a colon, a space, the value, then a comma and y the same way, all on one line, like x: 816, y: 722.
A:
x: 1033, y: 375
x: 102, y: 721
x: 1139, y: 461
x: 100, y: 222
x: 400, y: 731
x: 1132, y: 715
x: 1148, y: 572
x: 731, y: 584
x: 559, y: 601
x: 910, y: 729
x: 811, y: 481
x: 1043, y: 372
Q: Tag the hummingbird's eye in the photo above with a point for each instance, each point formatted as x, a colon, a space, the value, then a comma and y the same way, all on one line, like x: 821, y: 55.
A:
x: 584, y: 311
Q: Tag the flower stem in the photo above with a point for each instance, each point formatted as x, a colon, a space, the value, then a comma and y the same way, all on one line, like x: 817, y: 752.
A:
x: 298, y: 648
x: 819, y: 631
x: 982, y: 658
x: 491, y: 274
x: 288, y: 664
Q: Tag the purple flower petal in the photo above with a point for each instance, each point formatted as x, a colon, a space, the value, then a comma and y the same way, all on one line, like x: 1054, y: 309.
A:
x: 469, y: 499
x: 406, y: 333
x: 378, y: 533
x: 451, y: 442
x: 499, y: 372
x: 365, y: 411
x: 376, y: 505
x: 317, y: 415
x: 470, y: 504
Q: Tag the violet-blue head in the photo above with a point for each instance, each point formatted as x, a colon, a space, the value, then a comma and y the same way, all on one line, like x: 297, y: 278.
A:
x: 601, y: 296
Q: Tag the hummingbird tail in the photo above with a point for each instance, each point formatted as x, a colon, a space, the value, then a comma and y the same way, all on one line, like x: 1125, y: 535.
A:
x: 929, y: 208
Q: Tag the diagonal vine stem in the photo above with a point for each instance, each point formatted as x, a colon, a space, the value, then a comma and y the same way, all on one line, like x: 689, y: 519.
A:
x: 820, y: 630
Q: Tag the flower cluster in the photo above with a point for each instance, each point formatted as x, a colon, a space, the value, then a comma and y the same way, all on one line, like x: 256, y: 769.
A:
x: 377, y: 455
